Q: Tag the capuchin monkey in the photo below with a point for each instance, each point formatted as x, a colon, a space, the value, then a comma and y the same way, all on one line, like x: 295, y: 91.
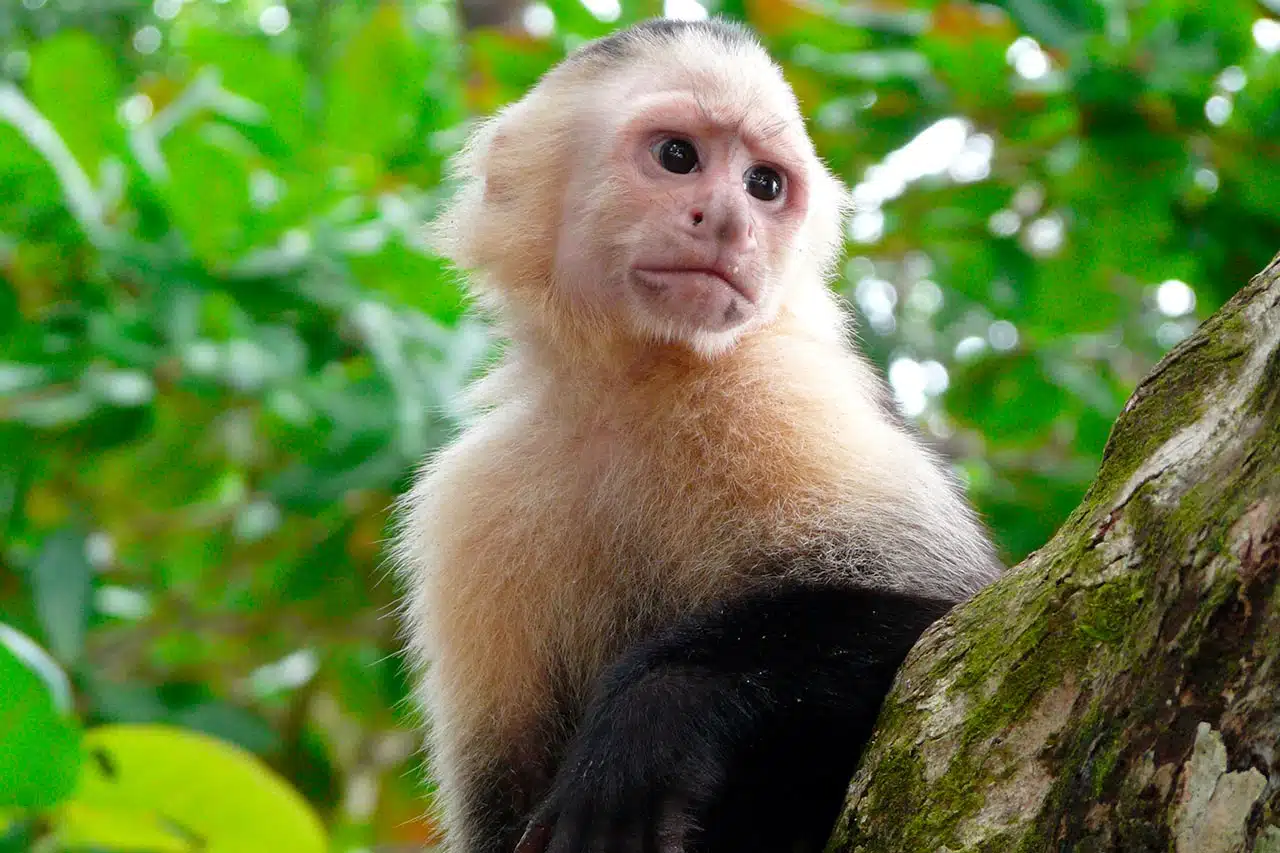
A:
x: 663, y: 581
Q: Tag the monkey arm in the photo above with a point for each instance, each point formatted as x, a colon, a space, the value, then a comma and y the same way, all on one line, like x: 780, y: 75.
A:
x: 747, y: 719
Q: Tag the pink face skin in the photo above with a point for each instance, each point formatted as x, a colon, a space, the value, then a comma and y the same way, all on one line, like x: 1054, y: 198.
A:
x: 691, y: 256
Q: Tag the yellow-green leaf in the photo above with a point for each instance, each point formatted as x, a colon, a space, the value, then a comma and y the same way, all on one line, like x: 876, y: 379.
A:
x: 152, y: 787
x: 375, y: 87
x: 206, y: 175
x: 74, y: 83
x: 272, y: 79
x: 117, y: 828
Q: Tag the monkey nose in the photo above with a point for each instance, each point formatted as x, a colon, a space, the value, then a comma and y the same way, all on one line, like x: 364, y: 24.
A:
x: 723, y: 224
x: 736, y: 233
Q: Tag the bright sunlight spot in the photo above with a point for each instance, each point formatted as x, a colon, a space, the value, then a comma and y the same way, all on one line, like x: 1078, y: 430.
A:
x: 274, y: 20
x: 1003, y: 335
x: 147, y: 39
x: 604, y: 10
x: 539, y: 20
x: 1266, y: 34
x: 684, y: 10
x: 1218, y: 109
x: 1027, y: 58
x: 909, y: 380
x: 1175, y: 298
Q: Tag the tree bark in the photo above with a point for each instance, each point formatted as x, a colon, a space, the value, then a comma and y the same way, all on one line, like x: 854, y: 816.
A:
x: 1119, y: 690
x: 479, y: 14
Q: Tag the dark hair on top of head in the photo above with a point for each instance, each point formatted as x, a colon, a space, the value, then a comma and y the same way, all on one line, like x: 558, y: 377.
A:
x: 624, y: 43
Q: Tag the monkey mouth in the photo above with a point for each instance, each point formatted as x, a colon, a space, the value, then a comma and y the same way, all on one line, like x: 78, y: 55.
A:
x: 662, y: 277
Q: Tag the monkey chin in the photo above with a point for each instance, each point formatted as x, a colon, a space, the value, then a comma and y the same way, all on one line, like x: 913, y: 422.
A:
x: 699, y: 307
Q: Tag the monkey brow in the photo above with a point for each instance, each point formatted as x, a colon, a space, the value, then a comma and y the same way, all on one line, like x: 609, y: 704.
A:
x: 769, y: 130
x: 772, y: 134
x: 751, y: 123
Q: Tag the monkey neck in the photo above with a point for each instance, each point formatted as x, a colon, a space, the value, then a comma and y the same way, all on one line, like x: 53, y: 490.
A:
x: 585, y: 362
x: 594, y: 375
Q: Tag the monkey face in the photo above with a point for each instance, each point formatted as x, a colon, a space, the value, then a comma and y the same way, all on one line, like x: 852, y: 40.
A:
x: 685, y: 222
x: 668, y: 197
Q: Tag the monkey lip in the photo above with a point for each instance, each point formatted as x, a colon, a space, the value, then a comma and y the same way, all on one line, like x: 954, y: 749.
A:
x: 670, y: 273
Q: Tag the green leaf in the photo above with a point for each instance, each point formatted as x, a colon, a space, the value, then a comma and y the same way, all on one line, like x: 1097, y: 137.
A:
x: 15, y: 478
x: 61, y: 580
x: 249, y: 68
x: 231, y: 724
x: 510, y: 63
x: 84, y: 825
x: 424, y: 282
x: 188, y: 706
x: 110, y: 701
x: 17, y: 833
x: 161, y: 788
x: 1027, y: 502
x: 374, y: 87
x: 207, y: 193
x: 9, y: 313
x: 373, y: 679
x: 39, y: 745
x: 1008, y: 398
x: 1258, y: 182
x: 1258, y: 103
x: 572, y: 16
x: 1094, y: 303
x: 30, y: 198
x: 1058, y: 24
x: 969, y: 56
x: 75, y: 85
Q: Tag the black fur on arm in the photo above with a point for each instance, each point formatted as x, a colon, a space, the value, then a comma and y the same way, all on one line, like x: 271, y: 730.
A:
x: 734, y: 731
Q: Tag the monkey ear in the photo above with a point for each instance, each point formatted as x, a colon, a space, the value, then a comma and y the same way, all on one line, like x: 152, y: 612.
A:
x: 498, y: 209
x: 499, y: 156
x: 511, y: 145
x: 451, y: 233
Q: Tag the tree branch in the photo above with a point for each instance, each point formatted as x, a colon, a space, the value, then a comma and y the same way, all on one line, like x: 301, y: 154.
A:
x: 1120, y: 689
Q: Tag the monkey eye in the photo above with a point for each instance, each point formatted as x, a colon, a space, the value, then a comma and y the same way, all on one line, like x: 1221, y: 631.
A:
x: 676, y: 155
x: 763, y: 182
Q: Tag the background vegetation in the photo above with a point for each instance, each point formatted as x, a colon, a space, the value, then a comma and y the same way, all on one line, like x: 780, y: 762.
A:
x: 223, y: 345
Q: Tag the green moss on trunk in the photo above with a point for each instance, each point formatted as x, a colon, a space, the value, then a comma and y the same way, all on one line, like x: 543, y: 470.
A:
x: 1060, y: 708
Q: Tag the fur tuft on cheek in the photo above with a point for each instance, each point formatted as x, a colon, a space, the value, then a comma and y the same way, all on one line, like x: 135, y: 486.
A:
x: 829, y: 209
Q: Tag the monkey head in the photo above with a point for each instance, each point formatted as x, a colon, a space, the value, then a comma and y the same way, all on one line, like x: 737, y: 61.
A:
x: 655, y: 188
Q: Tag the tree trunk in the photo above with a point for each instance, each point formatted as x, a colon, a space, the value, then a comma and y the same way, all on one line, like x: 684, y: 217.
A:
x: 499, y: 14
x: 1120, y: 689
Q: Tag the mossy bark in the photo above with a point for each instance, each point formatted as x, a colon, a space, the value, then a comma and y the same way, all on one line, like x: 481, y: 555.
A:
x: 1120, y: 689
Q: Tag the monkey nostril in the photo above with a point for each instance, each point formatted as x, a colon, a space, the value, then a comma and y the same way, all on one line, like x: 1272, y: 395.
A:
x: 697, y: 217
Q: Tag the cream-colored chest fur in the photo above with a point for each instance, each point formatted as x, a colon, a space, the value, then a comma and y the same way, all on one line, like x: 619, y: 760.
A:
x: 565, y: 522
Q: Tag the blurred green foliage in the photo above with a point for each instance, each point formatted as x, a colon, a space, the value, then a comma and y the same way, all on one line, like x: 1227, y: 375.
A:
x: 223, y: 344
